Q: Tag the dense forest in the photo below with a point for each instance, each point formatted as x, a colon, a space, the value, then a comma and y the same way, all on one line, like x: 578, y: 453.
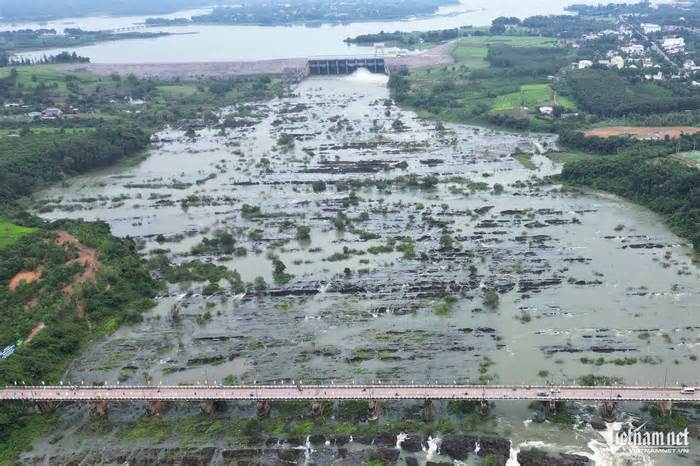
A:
x: 607, y: 94
x: 36, y: 159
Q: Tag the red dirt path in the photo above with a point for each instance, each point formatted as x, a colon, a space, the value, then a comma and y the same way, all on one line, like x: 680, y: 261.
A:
x: 653, y: 132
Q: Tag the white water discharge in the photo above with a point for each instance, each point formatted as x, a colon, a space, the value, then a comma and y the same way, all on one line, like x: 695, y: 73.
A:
x: 606, y: 452
x: 364, y: 76
x: 308, y: 451
x: 400, y: 438
x: 433, y: 447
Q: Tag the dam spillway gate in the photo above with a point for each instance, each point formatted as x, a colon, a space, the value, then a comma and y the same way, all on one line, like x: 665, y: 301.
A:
x: 340, y: 66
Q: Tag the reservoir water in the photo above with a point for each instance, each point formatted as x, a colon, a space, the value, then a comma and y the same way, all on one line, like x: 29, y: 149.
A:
x: 203, y: 43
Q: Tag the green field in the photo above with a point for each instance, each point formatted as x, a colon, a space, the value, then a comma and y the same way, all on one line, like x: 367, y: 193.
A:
x: 471, y: 51
x: 29, y: 77
x: 472, y: 56
x: 515, y: 41
x: 178, y: 90
x: 526, y: 161
x: 530, y: 95
x: 10, y: 233
x: 568, y: 156
x: 44, y: 130
x: 693, y: 156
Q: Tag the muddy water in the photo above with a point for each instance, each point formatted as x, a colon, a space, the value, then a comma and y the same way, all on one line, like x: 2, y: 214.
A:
x: 580, y: 275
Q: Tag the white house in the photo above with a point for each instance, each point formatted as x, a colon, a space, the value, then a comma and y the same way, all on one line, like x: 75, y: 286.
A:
x: 690, y: 65
x: 51, y: 113
x: 673, y: 44
x: 649, y: 28
x: 546, y: 110
x: 617, y: 62
x: 582, y: 64
x: 633, y: 49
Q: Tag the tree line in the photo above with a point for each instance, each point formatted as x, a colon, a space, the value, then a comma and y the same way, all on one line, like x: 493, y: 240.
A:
x: 645, y: 176
x: 36, y: 159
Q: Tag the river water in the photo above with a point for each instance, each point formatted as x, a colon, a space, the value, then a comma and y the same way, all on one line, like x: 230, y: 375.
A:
x: 203, y: 43
x: 580, y: 275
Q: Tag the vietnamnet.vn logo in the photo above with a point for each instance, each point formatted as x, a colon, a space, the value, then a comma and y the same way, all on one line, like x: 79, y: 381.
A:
x: 653, y: 441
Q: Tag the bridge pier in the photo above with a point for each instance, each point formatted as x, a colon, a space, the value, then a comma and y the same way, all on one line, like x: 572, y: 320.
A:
x: 208, y: 407
x: 374, y: 410
x: 317, y: 408
x: 607, y: 410
x: 44, y: 407
x: 428, y: 410
x: 484, y: 408
x: 99, y: 408
x: 551, y: 407
x: 665, y: 408
x: 263, y: 408
x: 153, y: 407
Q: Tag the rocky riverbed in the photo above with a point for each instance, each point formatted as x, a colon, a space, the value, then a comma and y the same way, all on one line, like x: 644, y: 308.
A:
x: 338, y: 237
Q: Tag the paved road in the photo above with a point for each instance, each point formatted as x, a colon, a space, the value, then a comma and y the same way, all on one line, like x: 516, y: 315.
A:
x: 347, y: 392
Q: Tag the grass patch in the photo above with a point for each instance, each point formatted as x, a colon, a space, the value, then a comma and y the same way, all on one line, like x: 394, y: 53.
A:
x: 532, y: 96
x: 27, y: 430
x: 564, y: 157
x: 513, y: 41
x: 10, y: 233
x: 693, y: 156
x: 526, y: 161
x: 155, y: 429
x: 178, y: 90
x: 45, y: 130
x: 54, y: 79
x: 529, y: 95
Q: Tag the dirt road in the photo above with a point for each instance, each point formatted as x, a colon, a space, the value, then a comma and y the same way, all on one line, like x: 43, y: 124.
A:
x: 646, y: 132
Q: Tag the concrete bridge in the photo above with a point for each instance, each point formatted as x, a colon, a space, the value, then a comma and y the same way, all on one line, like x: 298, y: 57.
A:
x: 274, y: 392
x: 45, y: 397
x: 346, y: 392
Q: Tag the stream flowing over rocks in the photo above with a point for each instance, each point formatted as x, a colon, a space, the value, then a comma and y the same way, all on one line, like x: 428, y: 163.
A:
x: 433, y: 255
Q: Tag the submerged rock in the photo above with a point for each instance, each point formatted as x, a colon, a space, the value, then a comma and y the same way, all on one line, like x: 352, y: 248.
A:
x: 536, y: 457
x: 458, y: 446
x: 497, y: 446
x: 412, y: 443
